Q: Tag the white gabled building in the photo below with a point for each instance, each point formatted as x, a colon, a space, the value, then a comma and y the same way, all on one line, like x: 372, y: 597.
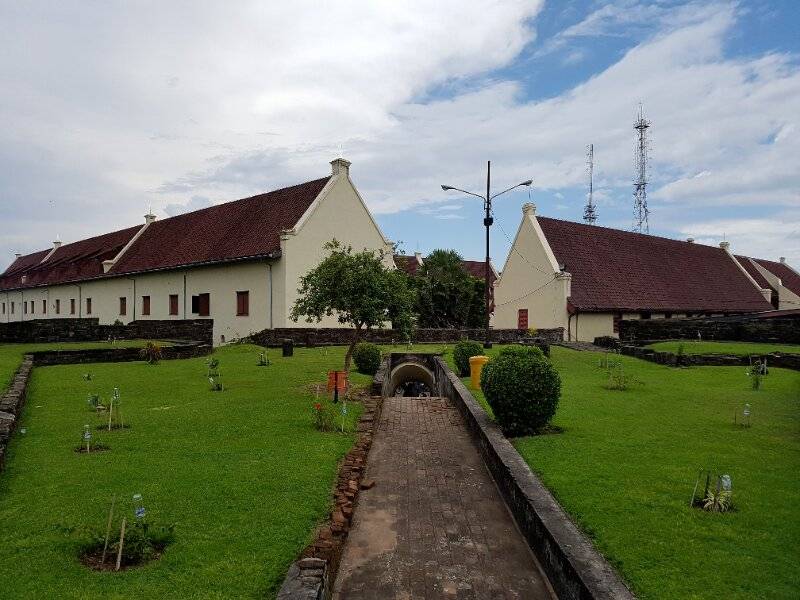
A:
x: 586, y: 279
x: 238, y: 263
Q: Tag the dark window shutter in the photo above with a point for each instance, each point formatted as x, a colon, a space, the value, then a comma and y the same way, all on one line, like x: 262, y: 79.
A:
x: 173, y: 304
x: 204, y: 305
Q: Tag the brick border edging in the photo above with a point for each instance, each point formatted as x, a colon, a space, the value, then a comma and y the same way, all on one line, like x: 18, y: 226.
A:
x: 774, y: 359
x: 11, y: 403
x: 312, y: 576
x: 574, y: 567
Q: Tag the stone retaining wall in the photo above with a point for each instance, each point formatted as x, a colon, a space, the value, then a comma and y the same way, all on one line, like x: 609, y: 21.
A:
x: 775, y: 359
x: 574, y: 567
x: 113, y: 354
x: 90, y: 330
x: 333, y: 336
x: 11, y: 403
x: 785, y: 330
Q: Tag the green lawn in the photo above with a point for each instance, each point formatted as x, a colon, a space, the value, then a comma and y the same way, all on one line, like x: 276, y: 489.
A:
x: 242, y: 474
x: 11, y: 354
x: 626, y: 464
x: 730, y: 348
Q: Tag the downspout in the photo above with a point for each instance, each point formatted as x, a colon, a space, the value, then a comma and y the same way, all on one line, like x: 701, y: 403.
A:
x: 184, y: 296
x: 80, y: 300
x: 133, y: 311
x: 22, y: 307
x: 569, y: 327
x: 270, y: 295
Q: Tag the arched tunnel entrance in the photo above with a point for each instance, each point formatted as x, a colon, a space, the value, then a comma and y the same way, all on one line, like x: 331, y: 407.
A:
x: 410, y: 375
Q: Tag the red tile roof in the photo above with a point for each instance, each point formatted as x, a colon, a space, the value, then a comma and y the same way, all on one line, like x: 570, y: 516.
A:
x: 615, y: 270
x: 69, y: 263
x: 241, y: 229
x: 789, y: 278
x: 410, y: 265
x: 244, y: 228
x: 477, y: 268
x: 748, y: 266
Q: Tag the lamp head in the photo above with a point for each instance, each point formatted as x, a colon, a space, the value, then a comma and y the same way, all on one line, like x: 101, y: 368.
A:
x: 447, y: 187
x: 527, y: 183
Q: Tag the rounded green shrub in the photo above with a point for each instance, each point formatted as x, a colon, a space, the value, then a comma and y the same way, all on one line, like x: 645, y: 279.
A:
x: 523, y: 390
x: 520, y: 350
x: 367, y: 358
x: 462, y: 352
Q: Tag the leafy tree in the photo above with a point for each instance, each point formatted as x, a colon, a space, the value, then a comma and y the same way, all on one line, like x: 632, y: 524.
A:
x: 445, y: 292
x: 358, y: 289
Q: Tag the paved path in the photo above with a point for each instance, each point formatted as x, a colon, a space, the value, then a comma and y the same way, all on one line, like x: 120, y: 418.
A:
x: 434, y: 525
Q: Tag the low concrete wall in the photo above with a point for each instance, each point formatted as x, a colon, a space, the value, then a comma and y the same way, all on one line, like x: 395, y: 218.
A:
x: 332, y: 336
x: 572, y: 564
x: 90, y: 330
x: 750, y: 328
x: 775, y: 359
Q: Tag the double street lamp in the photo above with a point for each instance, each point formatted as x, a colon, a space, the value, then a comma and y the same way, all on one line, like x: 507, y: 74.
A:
x: 487, y: 221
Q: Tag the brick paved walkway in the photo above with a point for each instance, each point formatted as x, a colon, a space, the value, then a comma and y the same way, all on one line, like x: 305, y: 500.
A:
x: 434, y: 525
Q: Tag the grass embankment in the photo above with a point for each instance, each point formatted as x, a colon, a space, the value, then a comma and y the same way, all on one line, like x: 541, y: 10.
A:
x: 11, y: 354
x: 625, y: 466
x: 729, y: 348
x: 242, y: 474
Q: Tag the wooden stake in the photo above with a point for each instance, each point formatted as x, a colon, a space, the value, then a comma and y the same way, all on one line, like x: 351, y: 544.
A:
x: 108, y: 529
x: 121, y: 542
x: 110, y: 411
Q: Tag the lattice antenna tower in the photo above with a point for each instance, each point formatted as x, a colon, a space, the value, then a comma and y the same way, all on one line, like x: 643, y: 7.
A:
x: 590, y: 210
x: 640, y: 211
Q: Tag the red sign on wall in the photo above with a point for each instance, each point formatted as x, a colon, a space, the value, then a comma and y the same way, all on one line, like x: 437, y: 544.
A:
x: 522, y: 318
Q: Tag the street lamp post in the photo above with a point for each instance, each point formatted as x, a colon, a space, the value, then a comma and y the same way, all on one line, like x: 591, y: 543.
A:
x: 487, y: 222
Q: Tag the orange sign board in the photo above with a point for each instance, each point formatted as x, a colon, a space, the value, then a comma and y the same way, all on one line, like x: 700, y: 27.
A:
x: 337, y: 379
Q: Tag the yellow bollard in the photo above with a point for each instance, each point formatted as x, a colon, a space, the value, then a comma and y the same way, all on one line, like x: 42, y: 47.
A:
x: 475, y: 367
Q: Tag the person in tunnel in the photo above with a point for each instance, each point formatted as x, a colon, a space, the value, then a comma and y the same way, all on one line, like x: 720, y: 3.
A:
x: 412, y: 389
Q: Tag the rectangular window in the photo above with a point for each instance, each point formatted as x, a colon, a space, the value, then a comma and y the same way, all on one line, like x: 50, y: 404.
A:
x: 145, y: 305
x: 668, y: 315
x: 173, y: 304
x: 88, y: 306
x: 4, y: 308
x: 203, y: 305
x: 44, y: 307
x: 616, y: 320
x: 12, y: 308
x: 24, y: 308
x: 72, y: 306
x: 242, y: 304
x: 33, y: 307
x: 522, y: 319
x: 123, y: 305
x: 645, y: 315
x: 58, y: 306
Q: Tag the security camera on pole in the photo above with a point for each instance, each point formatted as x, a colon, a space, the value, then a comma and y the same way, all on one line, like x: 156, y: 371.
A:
x: 487, y: 222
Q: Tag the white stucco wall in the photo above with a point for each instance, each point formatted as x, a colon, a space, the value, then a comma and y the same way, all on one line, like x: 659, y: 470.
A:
x: 531, y: 280
x: 338, y: 213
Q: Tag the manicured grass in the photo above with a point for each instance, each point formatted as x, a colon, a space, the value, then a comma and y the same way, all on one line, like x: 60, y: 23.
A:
x: 730, y: 348
x: 11, y: 354
x: 242, y: 474
x: 625, y: 466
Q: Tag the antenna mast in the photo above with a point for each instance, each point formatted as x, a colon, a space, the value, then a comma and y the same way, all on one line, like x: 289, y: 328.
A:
x: 589, y: 211
x: 640, y: 211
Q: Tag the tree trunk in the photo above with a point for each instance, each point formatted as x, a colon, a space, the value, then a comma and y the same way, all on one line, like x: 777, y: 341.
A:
x: 349, y: 356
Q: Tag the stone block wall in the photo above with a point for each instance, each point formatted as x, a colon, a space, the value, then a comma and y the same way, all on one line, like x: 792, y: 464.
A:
x: 11, y: 403
x: 332, y: 336
x: 784, y: 330
x: 90, y: 330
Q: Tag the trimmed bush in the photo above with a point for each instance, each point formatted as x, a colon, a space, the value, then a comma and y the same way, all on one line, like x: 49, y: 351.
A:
x: 523, y: 390
x: 520, y: 350
x: 367, y: 358
x: 462, y: 352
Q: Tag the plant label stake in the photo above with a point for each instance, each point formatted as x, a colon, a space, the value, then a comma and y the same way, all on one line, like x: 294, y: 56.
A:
x: 110, y: 412
x: 139, y: 508
x: 746, y: 414
x: 108, y: 529
x: 87, y: 437
x: 121, y: 542
x: 344, y: 411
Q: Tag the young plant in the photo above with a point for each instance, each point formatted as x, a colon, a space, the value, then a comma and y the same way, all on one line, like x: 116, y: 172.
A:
x: 756, y: 371
x: 151, y: 353
x: 263, y: 359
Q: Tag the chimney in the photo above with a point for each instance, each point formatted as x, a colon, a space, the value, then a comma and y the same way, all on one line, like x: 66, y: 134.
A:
x: 418, y: 256
x: 17, y: 255
x: 725, y: 246
x: 783, y: 259
x: 529, y: 208
x: 149, y: 218
x: 340, y: 166
x: 57, y: 244
x: 690, y: 240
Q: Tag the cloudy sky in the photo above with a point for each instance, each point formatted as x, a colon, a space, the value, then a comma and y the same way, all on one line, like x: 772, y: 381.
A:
x: 110, y: 107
